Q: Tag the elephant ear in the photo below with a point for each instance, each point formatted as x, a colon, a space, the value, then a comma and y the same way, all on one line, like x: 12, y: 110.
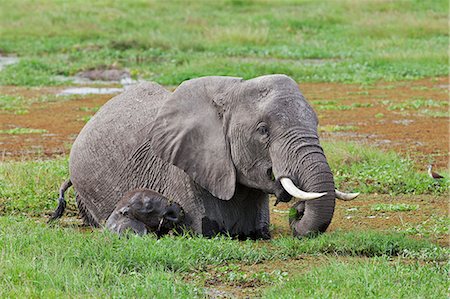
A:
x: 189, y: 132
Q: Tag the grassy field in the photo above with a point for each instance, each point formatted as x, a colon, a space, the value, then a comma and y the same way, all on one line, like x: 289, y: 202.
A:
x: 69, y: 261
x: 171, y: 41
x: 40, y: 262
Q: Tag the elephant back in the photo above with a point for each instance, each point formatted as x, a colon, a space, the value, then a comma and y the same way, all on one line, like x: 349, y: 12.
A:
x: 106, y: 142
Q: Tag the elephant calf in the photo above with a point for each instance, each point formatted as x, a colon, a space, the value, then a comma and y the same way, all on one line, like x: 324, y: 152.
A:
x: 143, y: 211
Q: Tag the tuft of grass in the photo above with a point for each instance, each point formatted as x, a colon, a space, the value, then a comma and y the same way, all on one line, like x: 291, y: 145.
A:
x: 337, y: 128
x: 20, y: 131
x: 89, y: 109
x: 361, y: 243
x: 417, y: 104
x: 85, y: 119
x: 369, y: 170
x: 20, y: 105
x: 13, y: 104
x: 399, y: 207
x: 377, y: 278
x: 379, y: 115
x: 432, y: 113
x: 32, y: 186
x: 362, y: 105
x: 432, y: 227
x: 330, y: 105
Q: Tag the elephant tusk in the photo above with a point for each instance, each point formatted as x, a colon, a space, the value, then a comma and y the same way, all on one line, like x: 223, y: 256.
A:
x: 345, y: 196
x: 290, y: 188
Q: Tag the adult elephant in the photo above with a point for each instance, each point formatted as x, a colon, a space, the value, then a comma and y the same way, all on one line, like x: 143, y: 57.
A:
x: 216, y: 145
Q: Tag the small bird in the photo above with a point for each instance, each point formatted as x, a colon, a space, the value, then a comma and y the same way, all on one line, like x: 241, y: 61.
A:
x: 433, y: 174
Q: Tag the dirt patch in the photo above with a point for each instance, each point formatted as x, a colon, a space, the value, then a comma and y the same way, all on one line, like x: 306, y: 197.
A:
x: 61, y: 120
x: 376, y: 114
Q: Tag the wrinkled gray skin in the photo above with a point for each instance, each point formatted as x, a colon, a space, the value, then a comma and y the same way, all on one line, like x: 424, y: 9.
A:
x: 143, y: 211
x: 211, y: 145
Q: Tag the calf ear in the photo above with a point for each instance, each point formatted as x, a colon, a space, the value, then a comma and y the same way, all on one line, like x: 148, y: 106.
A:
x: 190, y: 133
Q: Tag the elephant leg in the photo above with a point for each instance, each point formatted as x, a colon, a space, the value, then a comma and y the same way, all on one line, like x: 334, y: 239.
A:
x: 262, y: 218
x: 87, y: 217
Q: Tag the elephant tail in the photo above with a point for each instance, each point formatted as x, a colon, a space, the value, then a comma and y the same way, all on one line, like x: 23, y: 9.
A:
x: 61, y: 201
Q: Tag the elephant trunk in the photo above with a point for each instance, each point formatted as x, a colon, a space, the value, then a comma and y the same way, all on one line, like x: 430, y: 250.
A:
x: 303, y: 161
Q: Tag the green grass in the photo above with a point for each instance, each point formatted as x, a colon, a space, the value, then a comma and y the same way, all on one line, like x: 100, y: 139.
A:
x: 13, y: 104
x: 20, y: 105
x: 31, y: 186
x: 368, y: 170
x: 416, y: 104
x: 333, y: 105
x: 400, y: 207
x: 89, y: 109
x: 172, y: 41
x: 434, y: 226
x: 38, y: 260
x: 337, y: 128
x: 20, y: 131
x: 432, y: 113
x: 361, y: 243
x: 377, y: 278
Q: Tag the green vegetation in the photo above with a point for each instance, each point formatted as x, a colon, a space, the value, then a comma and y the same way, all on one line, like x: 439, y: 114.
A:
x: 377, y: 278
x: 19, y: 131
x: 416, y: 104
x: 381, y: 207
x: 38, y: 260
x: 31, y: 187
x: 85, y: 119
x: 369, y: 170
x: 171, y: 41
x: 20, y: 105
x: 89, y: 109
x: 333, y: 105
x: 337, y: 128
x: 13, y: 104
x: 42, y: 261
x: 432, y: 227
x: 433, y: 113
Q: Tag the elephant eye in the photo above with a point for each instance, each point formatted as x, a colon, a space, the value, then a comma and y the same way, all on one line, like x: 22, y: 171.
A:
x: 263, y: 129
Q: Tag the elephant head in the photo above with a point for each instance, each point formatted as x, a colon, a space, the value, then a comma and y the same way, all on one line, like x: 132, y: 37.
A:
x: 260, y: 133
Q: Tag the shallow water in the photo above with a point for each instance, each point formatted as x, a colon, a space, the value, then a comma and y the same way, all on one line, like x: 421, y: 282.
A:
x: 90, y: 90
x: 7, y: 60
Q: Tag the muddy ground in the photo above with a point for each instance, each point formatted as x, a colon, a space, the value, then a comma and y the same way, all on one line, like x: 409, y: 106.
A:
x: 382, y: 115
